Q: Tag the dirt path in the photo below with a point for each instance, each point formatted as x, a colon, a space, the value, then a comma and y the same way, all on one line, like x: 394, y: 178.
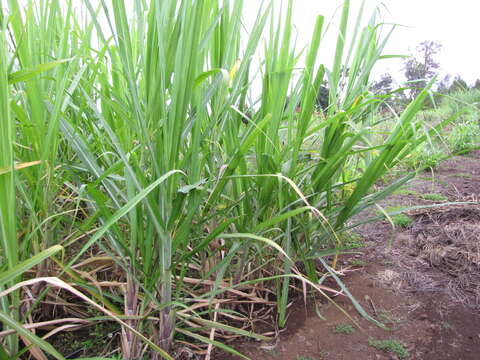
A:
x: 425, y: 287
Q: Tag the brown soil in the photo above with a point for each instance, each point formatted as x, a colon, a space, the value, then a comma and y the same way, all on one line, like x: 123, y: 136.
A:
x: 424, y: 285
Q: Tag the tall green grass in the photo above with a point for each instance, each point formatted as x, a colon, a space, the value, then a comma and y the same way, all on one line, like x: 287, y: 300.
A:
x: 153, y: 149
x: 9, y: 245
x: 16, y: 258
x: 460, y: 137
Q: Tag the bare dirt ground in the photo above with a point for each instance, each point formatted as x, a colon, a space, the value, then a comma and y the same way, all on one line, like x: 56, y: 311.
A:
x: 423, y: 282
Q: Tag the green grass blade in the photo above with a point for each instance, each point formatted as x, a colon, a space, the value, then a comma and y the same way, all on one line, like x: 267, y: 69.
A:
x: 42, y: 344
x: 18, y: 269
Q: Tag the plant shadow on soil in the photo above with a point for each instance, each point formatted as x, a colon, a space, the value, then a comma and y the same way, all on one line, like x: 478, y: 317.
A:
x: 424, y: 285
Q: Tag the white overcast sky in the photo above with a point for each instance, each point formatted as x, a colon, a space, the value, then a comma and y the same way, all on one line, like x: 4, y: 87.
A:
x: 455, y: 24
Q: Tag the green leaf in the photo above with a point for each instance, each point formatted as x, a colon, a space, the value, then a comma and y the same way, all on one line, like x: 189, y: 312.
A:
x: 26, y: 74
x: 187, y: 188
x: 42, y: 344
x: 202, y: 77
x: 122, y: 212
x: 257, y: 238
x: 20, y: 268
x: 213, y: 342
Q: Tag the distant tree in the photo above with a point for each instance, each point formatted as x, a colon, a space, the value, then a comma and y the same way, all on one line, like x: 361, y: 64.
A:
x: 476, y: 85
x: 382, y: 86
x: 458, y: 84
x: 444, y: 85
x: 422, y: 66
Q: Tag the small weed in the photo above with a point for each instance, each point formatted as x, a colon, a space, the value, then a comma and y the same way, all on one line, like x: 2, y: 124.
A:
x: 353, y: 241
x: 399, y: 220
x: 344, y: 329
x: 323, y: 354
x: 425, y: 156
x: 464, y: 175
x: 434, y: 197
x: 388, y: 317
x: 271, y: 352
x: 390, y: 345
x: 402, y: 220
x: 407, y: 192
x: 447, y: 326
x: 464, y: 137
x: 358, y: 262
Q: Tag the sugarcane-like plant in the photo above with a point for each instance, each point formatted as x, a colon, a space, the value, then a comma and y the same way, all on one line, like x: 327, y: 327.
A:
x: 204, y: 190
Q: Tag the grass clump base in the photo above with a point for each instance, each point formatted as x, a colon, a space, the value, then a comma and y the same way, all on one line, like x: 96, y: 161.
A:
x: 397, y: 218
x: 434, y: 197
x: 344, y: 329
x: 390, y: 345
x: 402, y: 220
